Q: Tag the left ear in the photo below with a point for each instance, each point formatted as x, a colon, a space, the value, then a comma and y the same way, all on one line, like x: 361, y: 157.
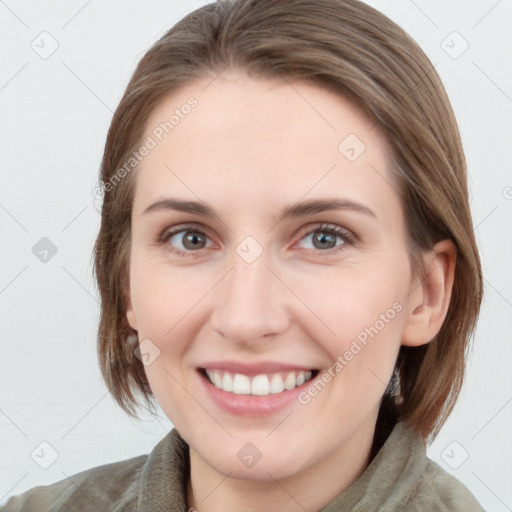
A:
x: 430, y: 297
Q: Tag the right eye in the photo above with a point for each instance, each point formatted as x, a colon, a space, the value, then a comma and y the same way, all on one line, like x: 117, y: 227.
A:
x: 190, y: 237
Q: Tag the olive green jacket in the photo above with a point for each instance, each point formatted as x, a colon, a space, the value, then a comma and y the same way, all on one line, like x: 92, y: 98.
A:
x: 399, y: 478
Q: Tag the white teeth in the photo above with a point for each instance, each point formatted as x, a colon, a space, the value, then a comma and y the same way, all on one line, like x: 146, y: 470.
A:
x: 290, y: 382
x: 217, y: 379
x: 241, y: 384
x: 261, y: 385
x: 276, y: 384
x: 227, y: 382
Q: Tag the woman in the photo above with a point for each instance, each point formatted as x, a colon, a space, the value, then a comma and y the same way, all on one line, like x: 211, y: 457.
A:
x: 286, y: 263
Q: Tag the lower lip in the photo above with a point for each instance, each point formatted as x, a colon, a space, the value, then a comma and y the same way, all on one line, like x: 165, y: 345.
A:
x: 251, y: 405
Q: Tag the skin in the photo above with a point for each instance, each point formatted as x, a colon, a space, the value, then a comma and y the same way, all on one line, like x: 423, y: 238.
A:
x: 250, y: 148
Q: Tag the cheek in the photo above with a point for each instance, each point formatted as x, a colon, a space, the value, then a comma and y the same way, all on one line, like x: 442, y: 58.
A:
x: 361, y: 313
x: 161, y: 298
x: 160, y: 310
x: 165, y: 304
x: 351, y: 300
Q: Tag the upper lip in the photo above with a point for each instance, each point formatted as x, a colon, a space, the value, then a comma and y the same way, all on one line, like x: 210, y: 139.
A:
x: 251, y: 369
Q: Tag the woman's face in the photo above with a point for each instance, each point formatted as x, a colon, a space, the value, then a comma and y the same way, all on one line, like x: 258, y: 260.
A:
x: 263, y: 293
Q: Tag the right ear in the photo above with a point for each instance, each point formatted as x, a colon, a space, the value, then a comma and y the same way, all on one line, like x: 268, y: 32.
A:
x: 130, y: 314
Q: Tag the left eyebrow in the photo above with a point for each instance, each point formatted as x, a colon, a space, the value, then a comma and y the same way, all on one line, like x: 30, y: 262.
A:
x: 311, y: 206
x: 301, y: 209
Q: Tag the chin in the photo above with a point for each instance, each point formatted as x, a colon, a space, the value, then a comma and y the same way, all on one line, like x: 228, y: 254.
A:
x: 245, y: 462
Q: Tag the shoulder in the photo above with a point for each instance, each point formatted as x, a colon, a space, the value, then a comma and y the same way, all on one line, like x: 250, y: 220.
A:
x: 402, y: 478
x: 92, y: 489
x: 437, y: 486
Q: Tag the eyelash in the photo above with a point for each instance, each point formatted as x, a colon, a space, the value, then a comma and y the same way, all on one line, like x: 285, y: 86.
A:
x: 324, y: 228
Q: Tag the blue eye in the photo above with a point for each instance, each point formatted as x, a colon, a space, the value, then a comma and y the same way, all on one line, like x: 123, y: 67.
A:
x: 193, y: 239
x: 326, y: 234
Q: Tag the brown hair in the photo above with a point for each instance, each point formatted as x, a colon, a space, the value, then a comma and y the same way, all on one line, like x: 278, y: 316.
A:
x: 359, y: 53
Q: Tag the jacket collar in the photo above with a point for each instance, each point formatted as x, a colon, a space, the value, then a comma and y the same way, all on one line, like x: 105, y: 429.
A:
x: 390, y: 476
x: 164, y: 477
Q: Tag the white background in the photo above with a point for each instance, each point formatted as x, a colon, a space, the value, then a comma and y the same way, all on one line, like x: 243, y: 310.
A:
x: 55, y: 113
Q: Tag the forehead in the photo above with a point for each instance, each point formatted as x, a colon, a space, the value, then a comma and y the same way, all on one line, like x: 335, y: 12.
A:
x: 254, y: 139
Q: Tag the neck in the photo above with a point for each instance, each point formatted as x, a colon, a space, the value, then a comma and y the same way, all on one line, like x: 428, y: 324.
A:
x: 311, y: 489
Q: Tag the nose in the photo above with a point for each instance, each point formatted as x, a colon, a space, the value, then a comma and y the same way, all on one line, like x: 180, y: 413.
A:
x: 251, y: 304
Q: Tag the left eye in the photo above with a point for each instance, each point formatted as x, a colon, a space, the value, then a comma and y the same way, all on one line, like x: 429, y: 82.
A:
x: 322, y: 237
x: 193, y: 239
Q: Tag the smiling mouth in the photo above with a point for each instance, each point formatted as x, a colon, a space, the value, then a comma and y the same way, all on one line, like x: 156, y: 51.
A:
x: 259, y: 385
